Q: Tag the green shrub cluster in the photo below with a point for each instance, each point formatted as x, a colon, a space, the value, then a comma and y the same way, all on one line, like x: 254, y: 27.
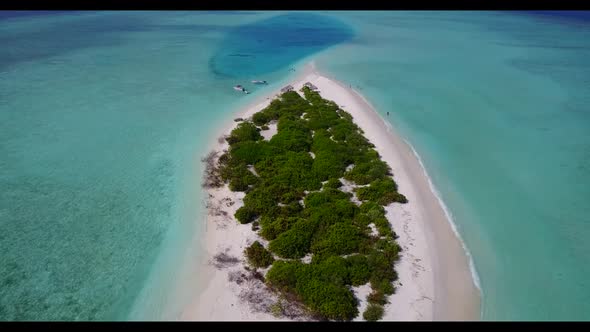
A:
x: 382, y: 191
x: 321, y: 286
x: 245, y: 131
x: 258, y: 256
x: 333, y: 184
x: 328, y: 225
x: 366, y: 172
x: 374, y: 312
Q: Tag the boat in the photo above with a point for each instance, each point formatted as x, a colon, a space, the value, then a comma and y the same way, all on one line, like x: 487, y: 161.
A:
x: 259, y: 82
x: 241, y: 88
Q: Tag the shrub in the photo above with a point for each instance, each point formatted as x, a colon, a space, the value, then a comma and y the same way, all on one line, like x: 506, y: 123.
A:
x: 295, y: 242
x: 238, y: 175
x: 264, y: 127
x: 366, y: 172
x: 382, y: 191
x: 245, y: 215
x: 261, y: 118
x: 329, y: 300
x: 272, y: 227
x: 328, y: 195
x: 291, y: 136
x: 383, y: 226
x: 333, y: 269
x: 333, y: 183
x: 238, y: 184
x: 359, y: 270
x: 245, y: 131
x: 377, y: 297
x: 284, y: 275
x: 328, y: 165
x: 250, y: 152
x: 262, y: 200
x: 340, y: 239
x: 373, y: 313
x: 258, y: 256
x: 372, y: 209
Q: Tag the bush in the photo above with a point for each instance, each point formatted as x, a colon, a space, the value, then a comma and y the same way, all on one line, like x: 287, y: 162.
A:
x: 328, y: 165
x: 295, y: 242
x: 292, y: 135
x: 382, y: 191
x: 264, y: 127
x: 359, y: 270
x: 329, y: 300
x: 383, y: 226
x: 245, y: 131
x: 373, y: 313
x: 263, y: 200
x: 364, y: 173
x: 328, y: 195
x: 245, y: 215
x: 258, y: 256
x: 333, y: 269
x: 238, y: 175
x: 377, y: 297
x: 284, y: 275
x: 340, y: 239
x: 250, y: 152
x: 333, y: 184
x: 272, y: 227
x: 261, y: 118
x: 372, y: 209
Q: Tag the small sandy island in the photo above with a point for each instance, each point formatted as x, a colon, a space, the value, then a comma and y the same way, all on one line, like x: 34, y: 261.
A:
x: 435, y: 282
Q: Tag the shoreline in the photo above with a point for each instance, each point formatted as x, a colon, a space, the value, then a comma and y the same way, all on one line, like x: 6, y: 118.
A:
x: 435, y: 279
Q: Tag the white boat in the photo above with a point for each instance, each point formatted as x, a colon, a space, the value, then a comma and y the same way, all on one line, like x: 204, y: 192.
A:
x: 259, y: 82
x: 241, y: 88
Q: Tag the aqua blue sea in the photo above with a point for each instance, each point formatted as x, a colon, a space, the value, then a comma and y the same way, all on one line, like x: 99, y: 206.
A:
x: 105, y: 115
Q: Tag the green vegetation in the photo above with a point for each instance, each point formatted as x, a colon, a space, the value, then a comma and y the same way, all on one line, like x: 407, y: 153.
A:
x: 382, y: 191
x: 333, y: 183
x: 245, y: 131
x: 299, y: 216
x: 258, y: 256
x: 374, y: 312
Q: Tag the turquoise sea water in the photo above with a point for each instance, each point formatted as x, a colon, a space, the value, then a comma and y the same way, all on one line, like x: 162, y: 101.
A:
x: 104, y: 116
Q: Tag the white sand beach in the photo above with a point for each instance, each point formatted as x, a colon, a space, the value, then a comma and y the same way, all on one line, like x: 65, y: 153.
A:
x: 435, y: 281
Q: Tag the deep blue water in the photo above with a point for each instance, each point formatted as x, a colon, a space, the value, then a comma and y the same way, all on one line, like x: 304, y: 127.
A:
x: 265, y: 46
x: 564, y: 15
